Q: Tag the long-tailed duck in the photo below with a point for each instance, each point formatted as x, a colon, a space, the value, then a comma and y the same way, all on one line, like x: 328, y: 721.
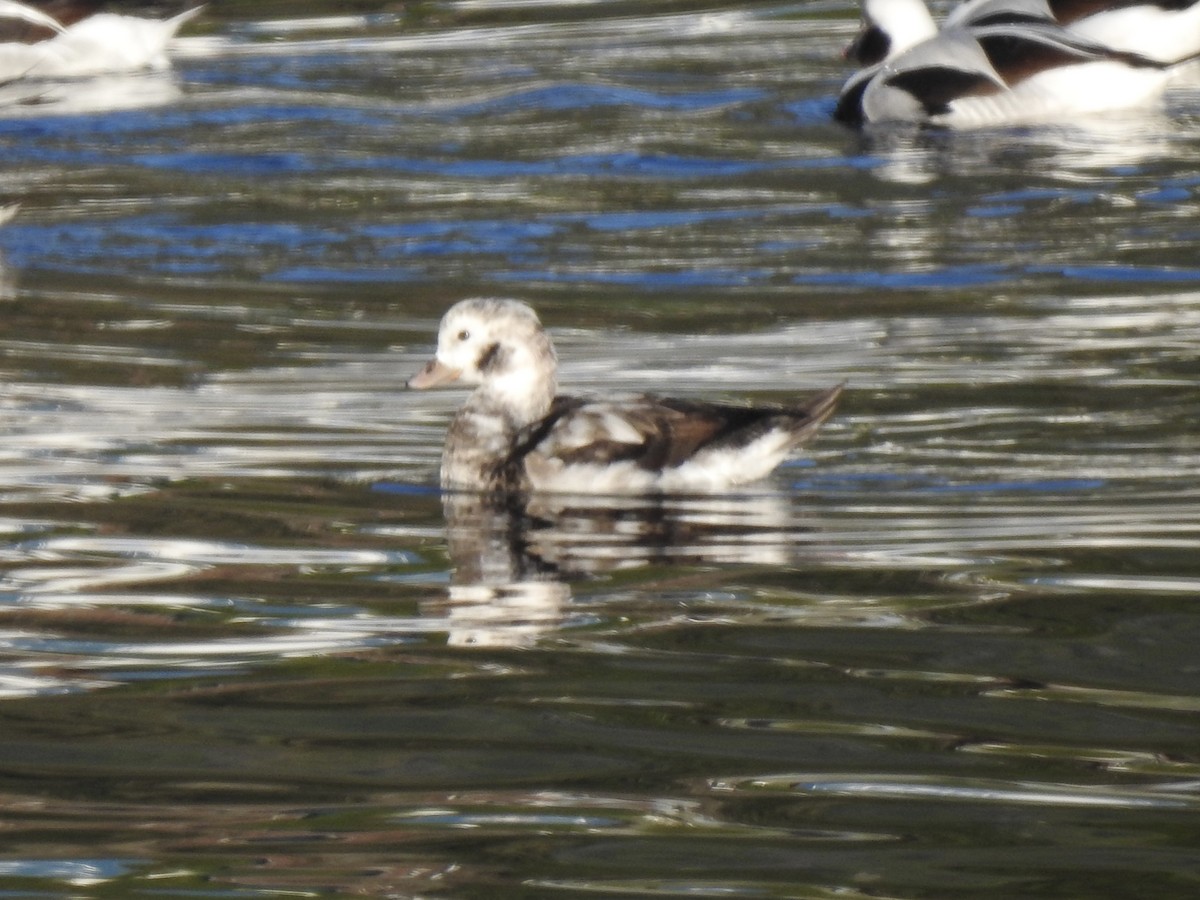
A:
x: 515, y: 433
x: 997, y: 62
x: 77, y: 38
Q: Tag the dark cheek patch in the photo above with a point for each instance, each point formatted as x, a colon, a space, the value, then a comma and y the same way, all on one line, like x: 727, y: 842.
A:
x: 870, y: 47
x: 490, y: 359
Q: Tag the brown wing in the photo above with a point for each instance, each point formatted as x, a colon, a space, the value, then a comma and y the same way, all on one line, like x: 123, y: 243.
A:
x: 658, y: 433
x: 18, y: 31
x: 694, y: 426
x: 740, y: 425
x: 652, y: 433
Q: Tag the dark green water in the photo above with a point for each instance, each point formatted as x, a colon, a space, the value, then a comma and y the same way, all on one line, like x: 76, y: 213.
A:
x: 246, y: 652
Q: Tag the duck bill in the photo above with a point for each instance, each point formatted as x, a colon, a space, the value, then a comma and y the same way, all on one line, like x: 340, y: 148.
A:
x: 432, y: 375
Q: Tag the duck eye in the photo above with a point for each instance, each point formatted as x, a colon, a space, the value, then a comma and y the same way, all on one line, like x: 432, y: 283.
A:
x: 464, y: 335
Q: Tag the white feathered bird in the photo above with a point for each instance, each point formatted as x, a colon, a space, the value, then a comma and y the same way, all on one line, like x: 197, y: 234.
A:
x: 997, y: 62
x: 37, y: 45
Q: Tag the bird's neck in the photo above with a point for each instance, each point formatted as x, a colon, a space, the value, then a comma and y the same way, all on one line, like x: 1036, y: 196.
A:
x: 907, y: 24
x: 483, y: 434
x: 524, y: 397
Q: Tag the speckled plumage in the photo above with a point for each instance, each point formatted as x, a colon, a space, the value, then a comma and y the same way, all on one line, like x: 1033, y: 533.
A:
x: 514, y: 433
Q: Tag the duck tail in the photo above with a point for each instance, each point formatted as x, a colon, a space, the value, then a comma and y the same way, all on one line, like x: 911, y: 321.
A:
x: 812, y: 414
x: 178, y: 21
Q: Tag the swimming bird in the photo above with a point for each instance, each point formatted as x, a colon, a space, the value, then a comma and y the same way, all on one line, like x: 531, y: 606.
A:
x: 1163, y: 30
x: 77, y: 38
x: 516, y: 433
x: 1005, y: 61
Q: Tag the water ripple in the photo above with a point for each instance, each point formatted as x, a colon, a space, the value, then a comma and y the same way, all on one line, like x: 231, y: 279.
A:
x: 242, y: 632
x: 1165, y: 795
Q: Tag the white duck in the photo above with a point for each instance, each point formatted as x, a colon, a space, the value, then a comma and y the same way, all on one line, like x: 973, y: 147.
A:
x: 1005, y: 61
x: 514, y: 433
x: 1163, y: 30
x: 72, y: 39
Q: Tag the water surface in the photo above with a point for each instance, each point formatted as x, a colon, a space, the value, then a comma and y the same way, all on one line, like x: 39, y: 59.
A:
x: 246, y: 649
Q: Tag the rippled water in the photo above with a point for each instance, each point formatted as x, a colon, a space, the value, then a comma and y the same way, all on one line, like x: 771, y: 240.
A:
x: 245, y: 650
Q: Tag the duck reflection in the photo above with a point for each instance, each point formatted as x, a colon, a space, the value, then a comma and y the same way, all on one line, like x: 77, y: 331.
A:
x: 514, y: 557
x: 915, y: 156
x: 500, y: 594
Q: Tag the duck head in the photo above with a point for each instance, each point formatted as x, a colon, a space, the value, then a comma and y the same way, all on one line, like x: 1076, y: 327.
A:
x: 889, y: 28
x: 500, y: 347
